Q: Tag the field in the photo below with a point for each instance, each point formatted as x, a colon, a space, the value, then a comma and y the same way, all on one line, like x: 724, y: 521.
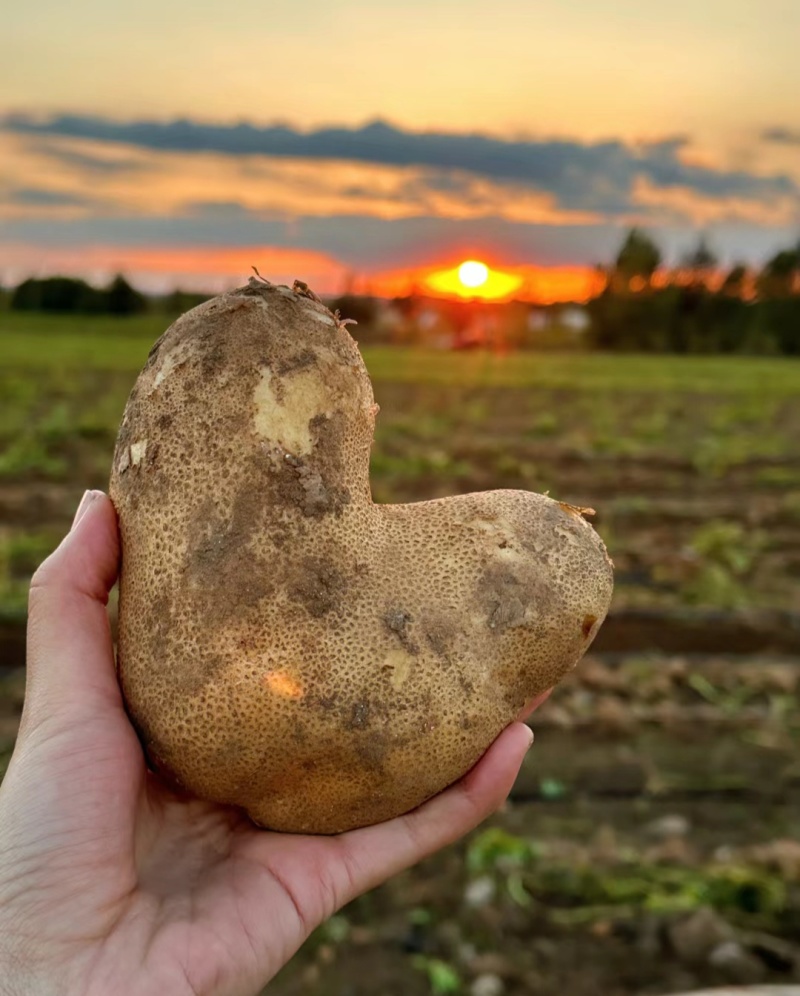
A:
x: 653, y: 840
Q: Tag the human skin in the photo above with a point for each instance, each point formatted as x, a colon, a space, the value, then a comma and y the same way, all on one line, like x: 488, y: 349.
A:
x: 112, y: 882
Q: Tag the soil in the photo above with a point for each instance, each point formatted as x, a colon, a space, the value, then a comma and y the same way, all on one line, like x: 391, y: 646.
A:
x: 674, y: 749
x: 623, y: 771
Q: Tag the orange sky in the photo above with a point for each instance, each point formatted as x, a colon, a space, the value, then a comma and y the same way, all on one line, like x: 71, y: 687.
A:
x: 212, y: 268
x: 412, y: 136
x: 542, y: 284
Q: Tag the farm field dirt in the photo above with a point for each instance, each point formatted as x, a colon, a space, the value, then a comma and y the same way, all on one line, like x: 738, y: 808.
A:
x: 657, y: 819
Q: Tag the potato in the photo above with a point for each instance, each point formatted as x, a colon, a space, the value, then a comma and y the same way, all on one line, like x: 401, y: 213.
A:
x: 286, y: 645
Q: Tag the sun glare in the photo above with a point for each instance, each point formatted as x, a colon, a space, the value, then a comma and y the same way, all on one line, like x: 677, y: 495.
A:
x: 473, y: 281
x: 473, y: 274
x: 283, y: 684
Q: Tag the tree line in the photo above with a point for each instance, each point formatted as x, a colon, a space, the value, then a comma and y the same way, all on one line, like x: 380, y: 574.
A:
x: 695, y: 307
x: 69, y: 295
x: 72, y: 296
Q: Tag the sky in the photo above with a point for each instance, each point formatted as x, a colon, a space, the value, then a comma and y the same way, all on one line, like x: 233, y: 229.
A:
x: 364, y: 144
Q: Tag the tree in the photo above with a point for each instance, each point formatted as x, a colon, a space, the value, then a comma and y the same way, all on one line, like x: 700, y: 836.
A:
x: 27, y: 296
x: 701, y: 258
x: 122, y: 299
x: 734, y: 283
x: 639, y: 257
x: 779, y: 301
x: 780, y: 273
x: 58, y: 294
x: 179, y: 301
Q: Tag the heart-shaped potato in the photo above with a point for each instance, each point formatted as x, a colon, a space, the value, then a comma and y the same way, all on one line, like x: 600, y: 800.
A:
x: 286, y: 645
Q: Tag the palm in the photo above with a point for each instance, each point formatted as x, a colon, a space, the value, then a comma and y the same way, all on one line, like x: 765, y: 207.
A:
x: 192, y: 892
x: 205, y: 896
x: 145, y: 890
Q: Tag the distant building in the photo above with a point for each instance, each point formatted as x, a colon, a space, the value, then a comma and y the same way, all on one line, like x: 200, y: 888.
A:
x: 575, y: 319
x: 538, y: 320
x: 428, y: 319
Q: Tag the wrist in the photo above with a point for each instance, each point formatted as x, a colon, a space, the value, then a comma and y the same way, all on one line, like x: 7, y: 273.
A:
x: 11, y: 982
x: 23, y: 984
x: 20, y: 975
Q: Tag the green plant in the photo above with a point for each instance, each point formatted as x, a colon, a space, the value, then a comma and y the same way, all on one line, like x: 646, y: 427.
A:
x: 631, y: 505
x: 507, y: 464
x: 435, y: 463
x: 20, y: 555
x: 545, y: 424
x: 742, y: 892
x: 504, y: 856
x: 55, y: 425
x: 731, y: 702
x: 497, y: 848
x: 725, y: 554
x: 27, y: 454
x: 715, y: 454
x: 442, y: 977
x: 552, y: 789
x: 24, y: 551
x: 778, y: 477
x: 655, y: 426
x: 790, y: 505
x: 336, y: 929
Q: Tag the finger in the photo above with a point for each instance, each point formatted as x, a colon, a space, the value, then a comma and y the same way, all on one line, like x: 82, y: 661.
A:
x: 70, y: 653
x: 530, y: 707
x: 371, y: 855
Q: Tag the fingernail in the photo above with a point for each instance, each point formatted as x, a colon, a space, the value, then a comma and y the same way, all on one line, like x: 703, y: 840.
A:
x: 85, y: 502
x: 530, y: 740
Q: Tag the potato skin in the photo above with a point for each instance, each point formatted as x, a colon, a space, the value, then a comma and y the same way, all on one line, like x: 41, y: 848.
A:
x: 286, y: 645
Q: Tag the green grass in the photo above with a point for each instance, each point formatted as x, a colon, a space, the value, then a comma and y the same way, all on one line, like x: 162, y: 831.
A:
x: 42, y: 342
x: 589, y: 428
x: 670, y: 374
x: 21, y: 552
x: 47, y: 342
x: 628, y: 886
x: 65, y: 381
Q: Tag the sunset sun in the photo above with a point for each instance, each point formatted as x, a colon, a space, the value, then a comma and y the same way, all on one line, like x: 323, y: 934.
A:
x: 473, y: 280
x: 473, y: 274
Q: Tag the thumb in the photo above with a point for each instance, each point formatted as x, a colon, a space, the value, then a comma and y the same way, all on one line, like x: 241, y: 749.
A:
x: 70, y: 654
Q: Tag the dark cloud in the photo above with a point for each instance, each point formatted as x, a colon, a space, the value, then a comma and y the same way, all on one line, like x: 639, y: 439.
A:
x: 781, y: 136
x: 665, y: 169
x: 370, y: 243
x: 41, y: 197
x: 86, y: 162
x: 360, y: 241
x: 580, y: 176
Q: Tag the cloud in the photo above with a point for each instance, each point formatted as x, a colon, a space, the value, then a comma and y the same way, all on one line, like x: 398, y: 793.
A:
x: 781, y: 136
x: 95, y: 164
x: 368, y: 244
x: 361, y: 241
x: 42, y: 197
x: 585, y: 177
x: 268, y: 188
x: 664, y: 168
x: 368, y: 198
x: 677, y: 204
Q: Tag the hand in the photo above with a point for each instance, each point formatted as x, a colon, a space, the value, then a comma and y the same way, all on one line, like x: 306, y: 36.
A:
x: 112, y: 883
